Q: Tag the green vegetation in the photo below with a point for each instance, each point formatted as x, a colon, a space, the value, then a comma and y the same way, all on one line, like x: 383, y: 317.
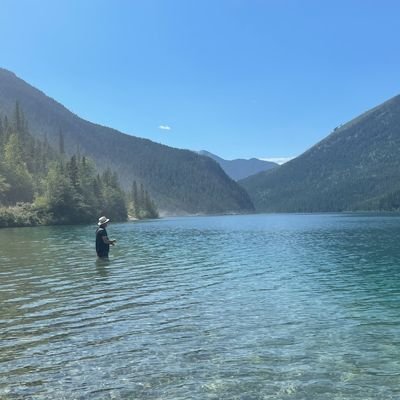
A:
x: 140, y: 203
x: 357, y: 167
x: 179, y: 181
x: 41, y: 186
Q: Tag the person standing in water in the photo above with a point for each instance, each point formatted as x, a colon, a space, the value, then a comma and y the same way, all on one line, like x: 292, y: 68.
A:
x: 102, y: 240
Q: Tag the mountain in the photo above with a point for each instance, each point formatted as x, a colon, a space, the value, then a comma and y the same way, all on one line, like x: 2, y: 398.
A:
x: 240, y: 168
x: 356, y: 167
x: 179, y: 181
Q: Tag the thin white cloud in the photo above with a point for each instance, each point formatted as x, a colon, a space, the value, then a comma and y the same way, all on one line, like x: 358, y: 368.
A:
x: 278, y: 160
x: 164, y: 127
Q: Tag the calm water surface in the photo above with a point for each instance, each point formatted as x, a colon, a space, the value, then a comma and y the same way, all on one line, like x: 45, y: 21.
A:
x: 234, y: 307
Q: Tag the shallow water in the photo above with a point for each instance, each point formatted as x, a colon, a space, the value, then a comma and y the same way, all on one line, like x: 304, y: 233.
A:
x: 233, y: 307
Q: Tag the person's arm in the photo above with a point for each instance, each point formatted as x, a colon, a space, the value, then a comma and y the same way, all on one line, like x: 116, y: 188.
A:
x: 106, y: 240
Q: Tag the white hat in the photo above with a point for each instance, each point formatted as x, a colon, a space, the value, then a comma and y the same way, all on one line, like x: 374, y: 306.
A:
x: 102, y: 221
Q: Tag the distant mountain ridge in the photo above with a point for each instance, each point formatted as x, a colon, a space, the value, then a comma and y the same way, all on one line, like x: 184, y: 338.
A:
x: 180, y: 181
x: 357, y: 167
x: 240, y: 168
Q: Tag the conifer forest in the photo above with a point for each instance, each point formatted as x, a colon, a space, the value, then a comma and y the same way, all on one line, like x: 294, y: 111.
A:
x: 40, y: 185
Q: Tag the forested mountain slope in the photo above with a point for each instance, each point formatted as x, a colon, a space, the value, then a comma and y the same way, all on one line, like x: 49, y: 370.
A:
x: 357, y: 167
x: 180, y: 181
x: 240, y: 168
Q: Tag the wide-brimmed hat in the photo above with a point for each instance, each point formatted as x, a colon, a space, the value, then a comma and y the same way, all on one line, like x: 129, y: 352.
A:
x: 102, y: 221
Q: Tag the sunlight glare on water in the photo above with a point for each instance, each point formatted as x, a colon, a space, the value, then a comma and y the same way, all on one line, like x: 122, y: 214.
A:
x: 233, y: 307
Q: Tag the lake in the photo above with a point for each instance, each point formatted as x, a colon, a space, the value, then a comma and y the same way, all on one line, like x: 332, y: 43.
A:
x: 230, y: 307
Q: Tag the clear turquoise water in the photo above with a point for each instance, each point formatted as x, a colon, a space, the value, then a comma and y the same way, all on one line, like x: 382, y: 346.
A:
x: 234, y: 307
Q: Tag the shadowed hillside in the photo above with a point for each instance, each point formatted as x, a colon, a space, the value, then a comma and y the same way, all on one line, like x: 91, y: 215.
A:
x: 357, y: 167
x: 180, y: 181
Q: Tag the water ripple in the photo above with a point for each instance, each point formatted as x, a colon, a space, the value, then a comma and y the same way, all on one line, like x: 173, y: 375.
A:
x: 244, y: 307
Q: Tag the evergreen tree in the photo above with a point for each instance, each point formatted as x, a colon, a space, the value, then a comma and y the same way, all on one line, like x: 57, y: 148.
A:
x: 16, y: 172
x: 2, y: 135
x: 18, y: 121
x: 98, y: 193
x: 6, y: 129
x: 59, y: 195
x: 65, y: 191
x: 149, y: 206
x: 4, y: 187
x: 140, y: 203
x: 62, y: 200
x: 73, y: 172
x: 114, y: 198
x: 134, y: 205
x: 61, y: 144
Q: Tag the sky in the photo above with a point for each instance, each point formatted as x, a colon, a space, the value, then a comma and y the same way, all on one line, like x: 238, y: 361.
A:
x: 239, y: 78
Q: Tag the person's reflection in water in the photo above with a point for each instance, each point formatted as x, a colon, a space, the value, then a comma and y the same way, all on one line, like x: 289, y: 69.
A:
x: 101, y: 267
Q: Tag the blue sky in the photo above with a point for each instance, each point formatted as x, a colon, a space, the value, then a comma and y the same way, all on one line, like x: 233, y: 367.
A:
x: 239, y: 78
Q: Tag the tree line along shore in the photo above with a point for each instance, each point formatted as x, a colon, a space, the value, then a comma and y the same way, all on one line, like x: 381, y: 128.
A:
x: 41, y: 185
